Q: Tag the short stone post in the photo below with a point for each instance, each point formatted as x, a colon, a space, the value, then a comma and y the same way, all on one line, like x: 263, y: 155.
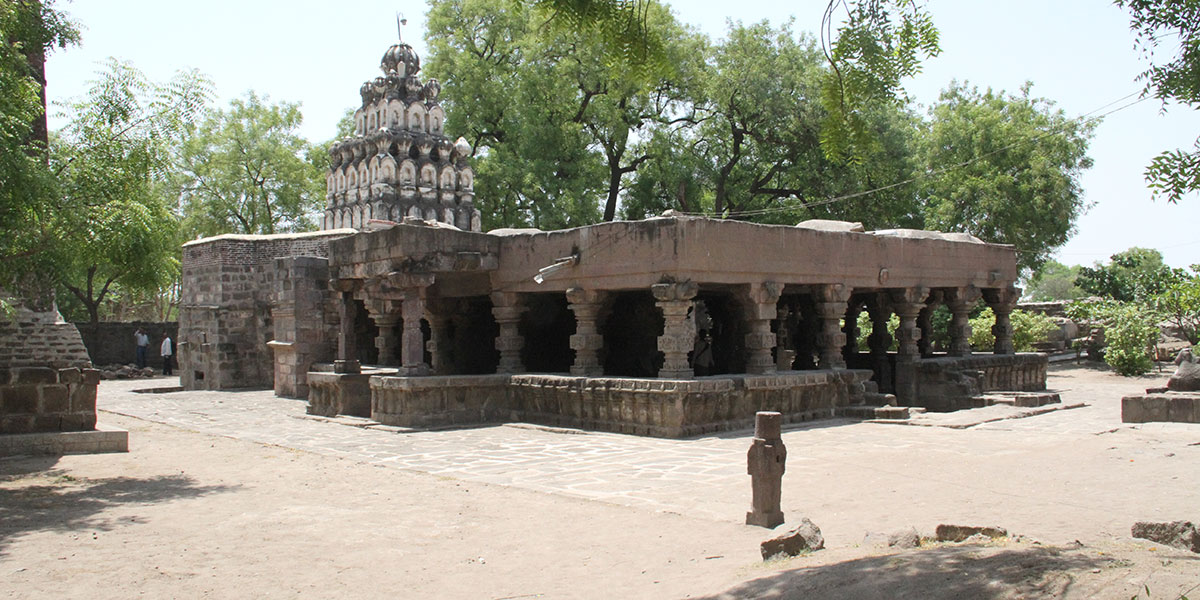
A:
x: 831, y: 308
x: 507, y: 309
x: 679, y: 331
x: 765, y: 464
x: 586, y: 341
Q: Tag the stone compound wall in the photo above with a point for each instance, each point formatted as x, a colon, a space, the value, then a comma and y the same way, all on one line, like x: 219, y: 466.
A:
x: 225, y: 317
x: 949, y: 383
x: 655, y: 407
x: 112, y: 343
x: 46, y: 380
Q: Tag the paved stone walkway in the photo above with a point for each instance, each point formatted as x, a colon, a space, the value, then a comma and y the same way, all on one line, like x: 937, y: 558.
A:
x: 987, y: 467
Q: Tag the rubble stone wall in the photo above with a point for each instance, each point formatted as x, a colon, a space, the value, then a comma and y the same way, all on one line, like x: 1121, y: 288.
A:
x: 225, y: 317
x: 304, y: 321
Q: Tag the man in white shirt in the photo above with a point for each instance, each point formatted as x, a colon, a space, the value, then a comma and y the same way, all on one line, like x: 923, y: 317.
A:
x: 166, y: 351
x: 143, y: 342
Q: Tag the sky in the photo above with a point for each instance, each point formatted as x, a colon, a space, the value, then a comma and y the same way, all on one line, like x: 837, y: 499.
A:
x: 1078, y: 53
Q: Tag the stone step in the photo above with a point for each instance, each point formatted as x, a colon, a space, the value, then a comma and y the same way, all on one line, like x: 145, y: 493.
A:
x: 867, y: 411
x: 1021, y: 399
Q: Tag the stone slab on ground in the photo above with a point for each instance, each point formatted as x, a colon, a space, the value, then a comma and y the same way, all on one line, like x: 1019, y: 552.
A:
x: 1173, y: 407
x: 103, y: 439
x: 970, y: 417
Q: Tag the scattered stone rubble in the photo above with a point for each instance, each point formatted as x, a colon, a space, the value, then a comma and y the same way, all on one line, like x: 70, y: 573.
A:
x: 1177, y: 534
x: 804, y: 538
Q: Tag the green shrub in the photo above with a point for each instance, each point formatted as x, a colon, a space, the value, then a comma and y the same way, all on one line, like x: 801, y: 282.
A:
x: 1028, y: 329
x: 1130, y: 330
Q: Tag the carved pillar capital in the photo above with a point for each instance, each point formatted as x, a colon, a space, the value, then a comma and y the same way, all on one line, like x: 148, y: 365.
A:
x: 675, y: 291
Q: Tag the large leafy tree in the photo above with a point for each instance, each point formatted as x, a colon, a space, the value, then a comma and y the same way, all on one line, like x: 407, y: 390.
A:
x: 553, y: 117
x: 111, y: 224
x: 1173, y: 24
x: 1004, y: 168
x: 28, y: 190
x: 1131, y: 275
x: 246, y: 169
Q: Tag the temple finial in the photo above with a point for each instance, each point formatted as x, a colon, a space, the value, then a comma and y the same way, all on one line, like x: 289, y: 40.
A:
x: 400, y: 22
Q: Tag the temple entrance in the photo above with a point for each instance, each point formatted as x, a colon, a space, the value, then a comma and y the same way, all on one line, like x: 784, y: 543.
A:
x: 365, y: 333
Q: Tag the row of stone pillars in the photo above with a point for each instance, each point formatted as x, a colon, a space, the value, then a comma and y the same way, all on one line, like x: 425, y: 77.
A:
x: 403, y: 296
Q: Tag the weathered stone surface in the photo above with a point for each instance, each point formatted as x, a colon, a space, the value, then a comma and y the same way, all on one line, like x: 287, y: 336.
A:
x: 765, y: 463
x: 1187, y: 374
x: 1177, y: 407
x: 959, y: 533
x: 1177, y: 534
x: 908, y: 538
x: 804, y: 538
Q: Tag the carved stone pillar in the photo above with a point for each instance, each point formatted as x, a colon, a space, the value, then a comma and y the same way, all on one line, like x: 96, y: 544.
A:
x: 880, y: 339
x: 507, y: 309
x: 908, y: 304
x: 925, y: 324
x: 851, y: 330
x: 784, y: 355
x: 1003, y: 301
x: 760, y: 309
x: 347, y: 351
x: 383, y: 314
x: 586, y: 341
x: 960, y: 300
x: 440, y: 343
x: 831, y: 308
x: 679, y: 331
x: 412, y: 343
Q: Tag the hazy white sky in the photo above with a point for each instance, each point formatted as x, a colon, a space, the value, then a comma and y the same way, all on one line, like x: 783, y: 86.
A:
x: 1078, y: 53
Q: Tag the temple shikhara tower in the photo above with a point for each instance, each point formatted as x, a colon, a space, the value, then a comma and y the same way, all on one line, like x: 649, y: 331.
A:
x: 399, y: 163
x: 402, y: 310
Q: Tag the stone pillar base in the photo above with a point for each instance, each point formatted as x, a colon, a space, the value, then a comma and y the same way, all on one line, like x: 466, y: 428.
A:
x: 769, y: 520
x: 346, y: 366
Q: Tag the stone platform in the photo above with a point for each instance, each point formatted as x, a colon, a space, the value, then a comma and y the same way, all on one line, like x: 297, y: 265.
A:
x: 642, y: 406
x: 1161, y: 406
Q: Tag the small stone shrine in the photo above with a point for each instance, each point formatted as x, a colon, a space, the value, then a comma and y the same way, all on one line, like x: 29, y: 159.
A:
x: 402, y: 310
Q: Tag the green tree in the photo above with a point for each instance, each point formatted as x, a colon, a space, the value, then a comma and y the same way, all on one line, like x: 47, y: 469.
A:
x: 1135, y: 274
x: 28, y: 190
x: 1173, y: 173
x: 1028, y: 329
x: 111, y: 225
x: 553, y: 123
x: 1054, y: 281
x: 1006, y: 169
x: 246, y: 169
x: 1179, y: 304
x: 876, y: 46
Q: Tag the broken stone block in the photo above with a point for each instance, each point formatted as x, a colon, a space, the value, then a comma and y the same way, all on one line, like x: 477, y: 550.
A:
x: 958, y: 533
x: 804, y: 538
x: 1177, y: 534
x: 908, y: 538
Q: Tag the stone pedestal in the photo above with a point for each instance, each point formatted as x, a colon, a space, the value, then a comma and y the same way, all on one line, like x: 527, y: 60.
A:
x: 586, y: 341
x: 507, y: 310
x: 679, y: 329
x: 765, y: 463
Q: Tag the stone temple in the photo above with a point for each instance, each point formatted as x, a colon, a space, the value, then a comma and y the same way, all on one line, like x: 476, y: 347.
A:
x: 402, y: 311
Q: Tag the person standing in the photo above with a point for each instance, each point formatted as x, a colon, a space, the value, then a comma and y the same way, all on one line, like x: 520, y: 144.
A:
x: 143, y: 342
x: 166, y: 351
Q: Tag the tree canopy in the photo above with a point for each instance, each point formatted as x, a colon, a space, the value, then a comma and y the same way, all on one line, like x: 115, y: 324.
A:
x: 1171, y: 24
x: 246, y: 169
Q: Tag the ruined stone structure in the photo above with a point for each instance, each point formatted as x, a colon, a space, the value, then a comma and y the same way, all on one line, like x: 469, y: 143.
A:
x: 428, y: 321
x: 399, y: 164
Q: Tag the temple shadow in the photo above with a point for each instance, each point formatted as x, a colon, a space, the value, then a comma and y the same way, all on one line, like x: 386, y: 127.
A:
x: 59, y: 502
x: 949, y: 572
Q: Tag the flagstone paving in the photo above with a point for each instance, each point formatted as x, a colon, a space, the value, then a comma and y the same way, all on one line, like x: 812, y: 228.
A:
x: 706, y: 476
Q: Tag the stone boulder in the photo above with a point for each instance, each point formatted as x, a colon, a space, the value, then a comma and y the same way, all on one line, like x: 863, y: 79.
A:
x: 1187, y: 375
x: 909, y: 538
x: 960, y: 533
x: 804, y: 538
x: 1177, y: 534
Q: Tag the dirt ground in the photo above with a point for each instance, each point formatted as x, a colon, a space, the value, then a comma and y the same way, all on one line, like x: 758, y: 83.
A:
x: 193, y: 515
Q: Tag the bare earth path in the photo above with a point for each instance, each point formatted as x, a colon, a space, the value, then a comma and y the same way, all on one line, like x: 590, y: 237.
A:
x: 242, y: 495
